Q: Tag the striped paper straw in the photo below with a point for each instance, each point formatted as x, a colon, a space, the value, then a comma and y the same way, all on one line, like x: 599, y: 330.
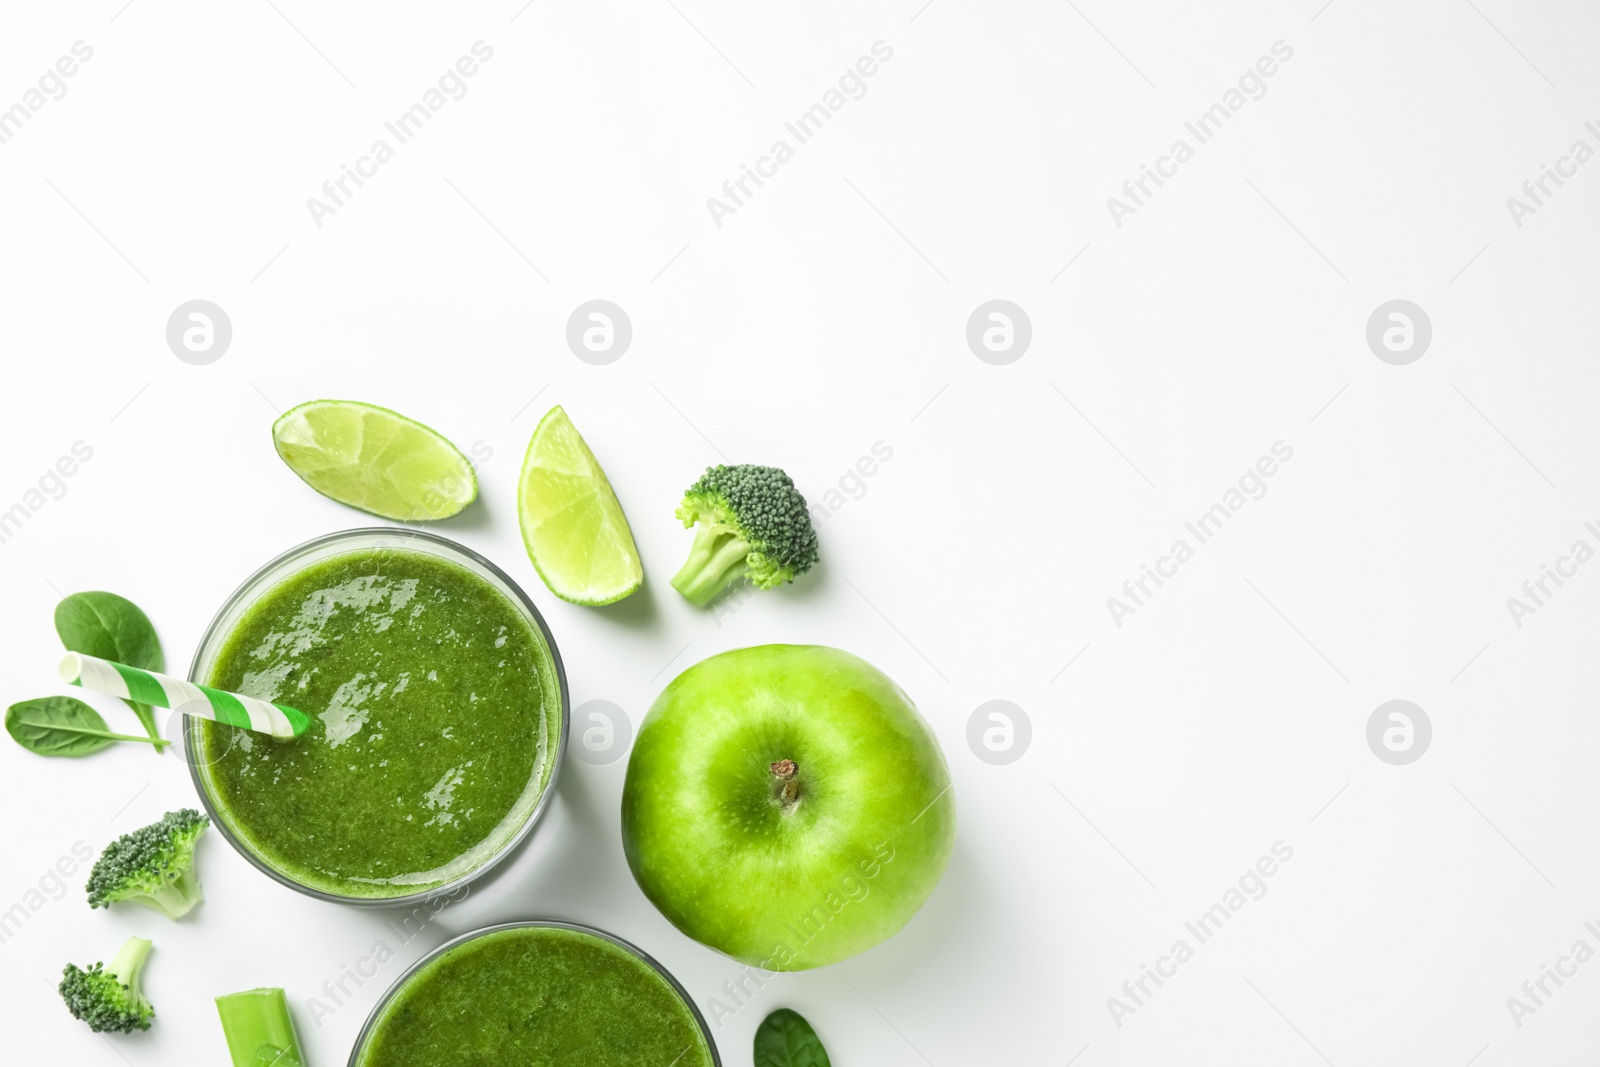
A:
x: 164, y: 691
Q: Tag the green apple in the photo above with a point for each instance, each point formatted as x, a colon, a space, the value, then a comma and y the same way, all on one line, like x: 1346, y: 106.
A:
x: 786, y: 805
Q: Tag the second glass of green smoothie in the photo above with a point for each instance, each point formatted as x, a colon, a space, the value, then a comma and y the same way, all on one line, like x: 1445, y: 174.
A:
x: 439, y: 715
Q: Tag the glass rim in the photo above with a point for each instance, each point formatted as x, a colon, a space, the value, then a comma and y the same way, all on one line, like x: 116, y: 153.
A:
x: 518, y: 598
x: 629, y: 947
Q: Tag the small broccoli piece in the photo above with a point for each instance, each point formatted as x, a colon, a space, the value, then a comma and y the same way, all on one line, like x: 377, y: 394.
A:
x: 753, y: 523
x: 110, y: 998
x: 153, y: 866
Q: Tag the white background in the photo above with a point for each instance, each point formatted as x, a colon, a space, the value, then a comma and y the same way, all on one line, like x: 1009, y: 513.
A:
x: 828, y: 314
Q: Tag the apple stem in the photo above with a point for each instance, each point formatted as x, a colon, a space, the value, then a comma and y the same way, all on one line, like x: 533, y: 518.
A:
x: 789, y: 792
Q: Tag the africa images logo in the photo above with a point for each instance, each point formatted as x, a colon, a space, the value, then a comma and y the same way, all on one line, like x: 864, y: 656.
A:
x: 51, y: 82
x: 1252, y: 485
x: 1250, y: 886
x: 1252, y: 85
x: 809, y: 123
x: 405, y: 126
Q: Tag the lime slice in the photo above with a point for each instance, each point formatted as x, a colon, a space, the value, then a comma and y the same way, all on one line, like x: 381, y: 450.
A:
x: 574, y: 528
x: 374, y: 459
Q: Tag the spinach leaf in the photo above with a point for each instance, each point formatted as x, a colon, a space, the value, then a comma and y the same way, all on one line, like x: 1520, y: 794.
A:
x: 785, y: 1039
x: 61, y: 726
x: 108, y: 626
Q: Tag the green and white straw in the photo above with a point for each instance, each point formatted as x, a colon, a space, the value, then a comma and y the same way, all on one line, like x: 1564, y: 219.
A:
x: 163, y: 691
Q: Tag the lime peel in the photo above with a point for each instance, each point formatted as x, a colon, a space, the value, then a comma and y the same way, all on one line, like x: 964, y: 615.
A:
x: 376, y: 460
x: 572, y: 524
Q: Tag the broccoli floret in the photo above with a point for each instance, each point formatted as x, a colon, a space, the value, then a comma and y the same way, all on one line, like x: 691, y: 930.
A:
x: 753, y: 523
x: 153, y: 866
x: 110, y: 998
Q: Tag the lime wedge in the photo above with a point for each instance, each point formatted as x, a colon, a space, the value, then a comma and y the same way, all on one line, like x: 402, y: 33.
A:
x: 374, y: 459
x: 574, y: 528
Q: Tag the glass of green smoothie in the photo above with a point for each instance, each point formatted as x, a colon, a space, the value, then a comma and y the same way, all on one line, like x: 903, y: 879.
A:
x: 439, y: 716
x: 535, y: 994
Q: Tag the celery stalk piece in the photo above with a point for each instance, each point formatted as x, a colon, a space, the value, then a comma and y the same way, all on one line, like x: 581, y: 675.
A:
x: 259, y: 1030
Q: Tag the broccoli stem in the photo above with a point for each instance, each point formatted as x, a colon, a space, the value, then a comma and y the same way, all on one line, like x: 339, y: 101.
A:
x: 128, y: 962
x: 716, y: 560
x: 259, y: 1029
x: 178, y: 897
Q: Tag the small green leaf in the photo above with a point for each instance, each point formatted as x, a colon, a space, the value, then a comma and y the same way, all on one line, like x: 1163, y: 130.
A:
x: 61, y: 726
x: 107, y: 626
x: 785, y: 1039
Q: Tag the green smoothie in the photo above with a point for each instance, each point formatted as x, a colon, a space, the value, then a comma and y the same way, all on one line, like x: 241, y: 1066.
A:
x: 536, y: 996
x: 435, y: 722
